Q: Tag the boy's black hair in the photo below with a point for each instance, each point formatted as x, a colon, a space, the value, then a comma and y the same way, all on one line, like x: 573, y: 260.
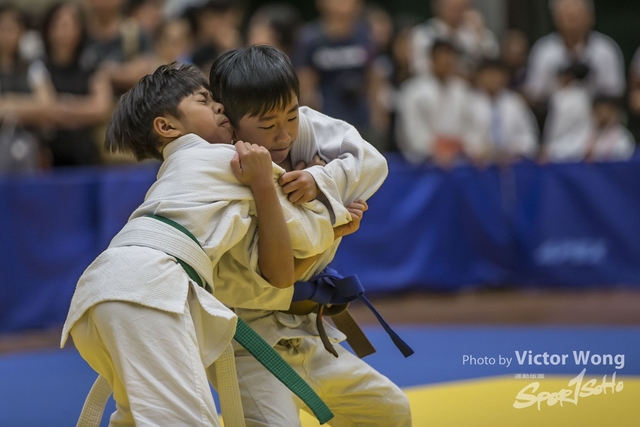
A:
x: 155, y: 95
x: 445, y: 45
x: 252, y: 81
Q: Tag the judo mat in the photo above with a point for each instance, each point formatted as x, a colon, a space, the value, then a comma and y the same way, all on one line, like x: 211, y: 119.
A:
x: 458, y: 377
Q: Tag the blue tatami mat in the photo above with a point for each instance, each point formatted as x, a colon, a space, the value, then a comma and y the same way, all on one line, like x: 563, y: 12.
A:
x: 48, y: 388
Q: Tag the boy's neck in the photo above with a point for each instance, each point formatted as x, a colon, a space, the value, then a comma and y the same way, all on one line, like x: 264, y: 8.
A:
x: 286, y: 164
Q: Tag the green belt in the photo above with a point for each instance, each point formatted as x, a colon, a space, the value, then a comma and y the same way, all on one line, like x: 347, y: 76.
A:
x: 260, y: 349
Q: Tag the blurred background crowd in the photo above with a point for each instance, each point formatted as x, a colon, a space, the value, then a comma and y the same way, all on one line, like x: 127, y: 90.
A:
x: 473, y: 83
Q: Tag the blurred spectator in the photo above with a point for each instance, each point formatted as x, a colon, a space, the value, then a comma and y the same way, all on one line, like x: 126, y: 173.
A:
x: 435, y: 118
x: 381, y: 27
x: 276, y: 24
x: 505, y: 123
x: 609, y: 139
x: 634, y: 95
x: 20, y: 95
x: 568, y: 126
x: 81, y: 97
x: 21, y: 99
x: 515, y: 52
x: 453, y: 20
x: 147, y: 14
x: 400, y: 49
x: 575, y: 41
x: 173, y: 42
x: 174, y: 9
x: 116, y: 44
x: 399, y: 53
x: 216, y: 26
x: 334, y: 59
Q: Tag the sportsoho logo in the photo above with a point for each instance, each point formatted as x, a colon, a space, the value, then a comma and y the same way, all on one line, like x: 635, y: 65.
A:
x: 578, y: 387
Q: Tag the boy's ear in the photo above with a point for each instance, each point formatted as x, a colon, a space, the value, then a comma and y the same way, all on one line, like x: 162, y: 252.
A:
x: 164, y: 127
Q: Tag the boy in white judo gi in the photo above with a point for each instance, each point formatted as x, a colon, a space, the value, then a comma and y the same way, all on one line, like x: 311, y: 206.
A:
x: 136, y: 316
x: 260, y: 90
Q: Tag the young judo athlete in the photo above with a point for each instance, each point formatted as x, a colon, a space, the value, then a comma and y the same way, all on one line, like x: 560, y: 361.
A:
x: 136, y: 316
x: 260, y: 90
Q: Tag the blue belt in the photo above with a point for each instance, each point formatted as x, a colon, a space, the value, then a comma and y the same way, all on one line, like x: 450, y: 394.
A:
x: 331, y: 288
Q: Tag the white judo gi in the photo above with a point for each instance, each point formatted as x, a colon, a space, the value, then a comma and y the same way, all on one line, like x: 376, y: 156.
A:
x: 138, y: 319
x: 357, y: 394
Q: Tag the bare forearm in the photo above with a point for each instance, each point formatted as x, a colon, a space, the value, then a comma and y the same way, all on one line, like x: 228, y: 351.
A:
x: 302, y: 265
x: 25, y: 109
x: 80, y: 112
x: 275, y: 255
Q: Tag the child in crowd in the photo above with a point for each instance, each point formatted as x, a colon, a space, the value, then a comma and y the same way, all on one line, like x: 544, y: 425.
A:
x: 275, y: 24
x: 136, y: 316
x: 434, y: 111
x: 505, y: 123
x: 609, y: 139
x: 260, y: 91
x: 568, y: 123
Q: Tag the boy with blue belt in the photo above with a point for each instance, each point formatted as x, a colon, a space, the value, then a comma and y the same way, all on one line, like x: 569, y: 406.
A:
x: 260, y: 90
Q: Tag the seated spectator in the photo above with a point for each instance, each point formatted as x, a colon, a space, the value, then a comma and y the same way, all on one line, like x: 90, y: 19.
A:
x: 276, y: 24
x: 82, y: 97
x: 147, y: 14
x: 22, y: 99
x: 20, y: 95
x: 455, y: 21
x: 216, y: 26
x: 609, y: 139
x: 334, y: 60
x: 514, y: 53
x: 117, y: 45
x: 173, y: 42
x: 569, y: 123
x: 575, y: 41
x: 434, y: 112
x: 505, y: 123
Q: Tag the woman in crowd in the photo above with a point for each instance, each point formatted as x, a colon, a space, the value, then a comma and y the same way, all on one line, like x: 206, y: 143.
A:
x: 22, y: 100
x: 81, y: 96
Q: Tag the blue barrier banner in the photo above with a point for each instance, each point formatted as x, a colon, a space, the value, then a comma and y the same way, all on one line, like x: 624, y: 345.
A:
x: 552, y: 225
x: 577, y: 224
x: 47, y: 238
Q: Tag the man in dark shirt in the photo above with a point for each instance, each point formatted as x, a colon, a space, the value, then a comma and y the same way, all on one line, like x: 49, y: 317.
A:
x: 334, y: 60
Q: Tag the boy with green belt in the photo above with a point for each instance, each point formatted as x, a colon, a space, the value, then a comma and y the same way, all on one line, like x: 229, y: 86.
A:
x: 136, y: 316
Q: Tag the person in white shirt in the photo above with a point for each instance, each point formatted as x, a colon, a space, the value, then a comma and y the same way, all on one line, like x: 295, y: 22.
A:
x: 609, y: 139
x: 575, y: 41
x: 455, y: 21
x: 434, y: 114
x: 504, y: 121
x: 569, y: 121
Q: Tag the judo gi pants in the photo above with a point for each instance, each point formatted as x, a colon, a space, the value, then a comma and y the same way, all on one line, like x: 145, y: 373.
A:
x: 153, y: 361
x: 356, y: 393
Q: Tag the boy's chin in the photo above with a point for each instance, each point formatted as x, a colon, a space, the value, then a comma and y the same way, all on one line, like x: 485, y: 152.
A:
x: 279, y: 156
